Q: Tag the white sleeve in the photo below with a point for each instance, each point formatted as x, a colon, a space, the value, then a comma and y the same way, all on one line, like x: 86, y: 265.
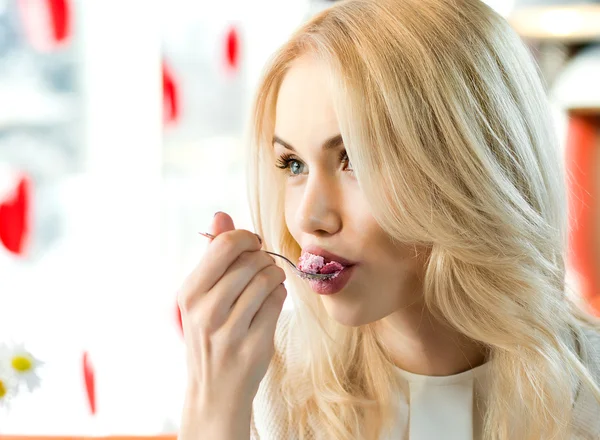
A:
x: 269, y: 415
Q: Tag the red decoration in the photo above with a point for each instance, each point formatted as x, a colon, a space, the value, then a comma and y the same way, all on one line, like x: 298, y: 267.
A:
x: 15, y: 218
x: 582, y: 154
x: 47, y: 23
x: 232, y: 49
x: 178, y: 318
x: 170, y: 96
x: 90, y: 382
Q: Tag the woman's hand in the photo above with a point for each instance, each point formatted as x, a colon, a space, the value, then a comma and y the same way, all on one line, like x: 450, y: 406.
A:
x: 230, y: 305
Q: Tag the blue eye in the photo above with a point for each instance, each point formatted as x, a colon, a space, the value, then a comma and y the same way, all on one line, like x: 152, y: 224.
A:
x: 288, y: 162
x: 295, y: 167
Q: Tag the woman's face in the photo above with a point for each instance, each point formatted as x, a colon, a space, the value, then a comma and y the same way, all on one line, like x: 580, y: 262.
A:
x: 326, y: 210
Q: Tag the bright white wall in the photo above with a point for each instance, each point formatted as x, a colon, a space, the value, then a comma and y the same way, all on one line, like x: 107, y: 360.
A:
x: 99, y: 289
x: 109, y: 286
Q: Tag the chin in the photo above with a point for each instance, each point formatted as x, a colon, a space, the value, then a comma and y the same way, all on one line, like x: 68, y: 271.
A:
x: 350, y: 315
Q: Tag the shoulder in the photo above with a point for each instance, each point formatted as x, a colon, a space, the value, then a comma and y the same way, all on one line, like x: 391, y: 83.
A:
x: 591, y: 356
x: 587, y: 408
x: 269, y: 409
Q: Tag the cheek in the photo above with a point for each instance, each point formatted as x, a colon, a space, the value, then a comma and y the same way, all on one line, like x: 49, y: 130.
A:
x: 405, y: 266
x: 358, y: 214
x: 394, y: 261
x: 291, y: 205
x: 358, y: 207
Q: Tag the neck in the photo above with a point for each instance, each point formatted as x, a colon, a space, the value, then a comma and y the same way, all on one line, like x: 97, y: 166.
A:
x: 420, y: 344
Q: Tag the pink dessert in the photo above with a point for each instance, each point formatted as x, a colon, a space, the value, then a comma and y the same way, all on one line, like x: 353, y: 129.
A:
x: 315, y: 264
x: 310, y: 263
x: 332, y: 267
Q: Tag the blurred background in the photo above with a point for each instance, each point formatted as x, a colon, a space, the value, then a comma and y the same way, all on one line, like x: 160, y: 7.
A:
x: 121, y: 128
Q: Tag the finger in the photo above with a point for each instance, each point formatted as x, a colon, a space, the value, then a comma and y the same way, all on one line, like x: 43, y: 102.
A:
x: 253, y: 296
x: 237, y: 277
x: 219, y: 255
x: 222, y: 222
x: 265, y: 320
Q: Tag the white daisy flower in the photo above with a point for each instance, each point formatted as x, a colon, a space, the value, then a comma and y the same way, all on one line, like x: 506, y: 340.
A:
x: 24, y: 367
x: 8, y: 387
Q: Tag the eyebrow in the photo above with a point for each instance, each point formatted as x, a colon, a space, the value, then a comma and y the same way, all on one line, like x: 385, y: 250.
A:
x: 329, y: 144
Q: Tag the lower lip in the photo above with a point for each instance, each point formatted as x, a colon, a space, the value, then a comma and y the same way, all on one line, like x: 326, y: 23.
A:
x: 334, y: 285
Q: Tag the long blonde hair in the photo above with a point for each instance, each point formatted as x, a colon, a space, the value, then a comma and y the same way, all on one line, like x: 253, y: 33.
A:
x: 440, y: 103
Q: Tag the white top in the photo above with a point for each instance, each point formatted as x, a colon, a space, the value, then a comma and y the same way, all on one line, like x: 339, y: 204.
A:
x: 441, y: 407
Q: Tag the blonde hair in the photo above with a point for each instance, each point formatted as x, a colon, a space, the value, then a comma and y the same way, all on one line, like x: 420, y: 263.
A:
x: 440, y: 103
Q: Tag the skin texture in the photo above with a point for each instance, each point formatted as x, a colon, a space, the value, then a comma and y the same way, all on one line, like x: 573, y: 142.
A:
x: 325, y: 207
x: 229, y: 306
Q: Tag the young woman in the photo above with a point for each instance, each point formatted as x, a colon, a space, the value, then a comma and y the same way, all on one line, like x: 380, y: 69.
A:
x: 406, y: 147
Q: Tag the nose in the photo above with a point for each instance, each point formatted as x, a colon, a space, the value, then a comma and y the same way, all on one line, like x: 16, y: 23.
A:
x: 319, y: 210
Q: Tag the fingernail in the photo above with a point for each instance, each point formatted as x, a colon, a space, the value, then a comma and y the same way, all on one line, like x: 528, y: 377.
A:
x: 218, y: 212
x: 259, y: 239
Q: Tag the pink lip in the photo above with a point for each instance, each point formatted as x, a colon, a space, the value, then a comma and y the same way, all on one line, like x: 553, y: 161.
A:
x: 334, y: 285
x: 329, y: 256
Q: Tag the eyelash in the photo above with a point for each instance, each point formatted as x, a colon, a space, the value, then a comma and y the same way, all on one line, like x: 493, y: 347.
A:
x: 284, y: 161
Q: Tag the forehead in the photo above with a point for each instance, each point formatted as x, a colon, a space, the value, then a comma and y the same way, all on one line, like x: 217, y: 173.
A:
x: 305, y: 107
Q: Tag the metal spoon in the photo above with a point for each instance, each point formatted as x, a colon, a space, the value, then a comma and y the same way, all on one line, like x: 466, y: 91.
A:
x: 300, y: 273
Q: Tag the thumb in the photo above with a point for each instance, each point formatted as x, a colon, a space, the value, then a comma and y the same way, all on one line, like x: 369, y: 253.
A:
x: 221, y: 223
